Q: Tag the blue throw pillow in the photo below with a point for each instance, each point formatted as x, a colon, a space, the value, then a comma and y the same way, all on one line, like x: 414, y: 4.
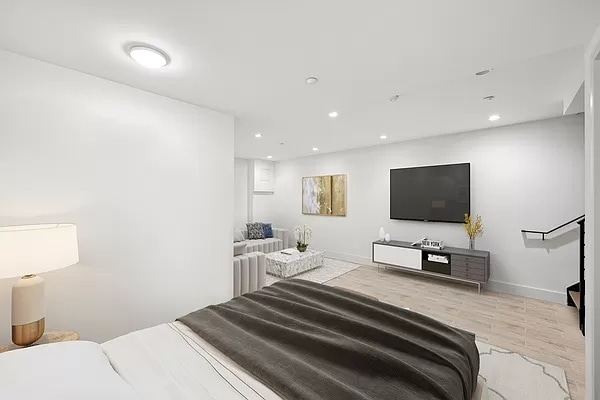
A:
x: 268, y: 230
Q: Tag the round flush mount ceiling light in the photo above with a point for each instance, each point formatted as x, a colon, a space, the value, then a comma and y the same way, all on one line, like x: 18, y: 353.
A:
x: 333, y: 114
x: 312, y: 80
x: 383, y: 137
x: 315, y: 149
x: 258, y: 135
x: 494, y: 117
x: 148, y: 57
x: 269, y: 157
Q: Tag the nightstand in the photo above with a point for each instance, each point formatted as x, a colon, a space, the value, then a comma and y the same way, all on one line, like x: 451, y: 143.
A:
x: 49, y: 337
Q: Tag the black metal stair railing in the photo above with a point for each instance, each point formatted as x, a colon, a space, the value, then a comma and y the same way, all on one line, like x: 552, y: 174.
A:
x: 575, y: 292
x: 544, y: 233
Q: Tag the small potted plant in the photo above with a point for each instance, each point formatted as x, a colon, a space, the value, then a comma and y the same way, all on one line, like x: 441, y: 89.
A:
x: 302, y: 234
x: 474, y: 228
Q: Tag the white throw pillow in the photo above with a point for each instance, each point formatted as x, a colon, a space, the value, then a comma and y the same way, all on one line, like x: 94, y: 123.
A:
x: 61, y: 371
x: 238, y: 236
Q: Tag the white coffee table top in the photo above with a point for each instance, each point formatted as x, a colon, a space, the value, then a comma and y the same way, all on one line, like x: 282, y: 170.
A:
x: 287, y: 258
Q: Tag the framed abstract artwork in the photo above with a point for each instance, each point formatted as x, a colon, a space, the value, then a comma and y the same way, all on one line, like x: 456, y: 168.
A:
x: 324, y: 195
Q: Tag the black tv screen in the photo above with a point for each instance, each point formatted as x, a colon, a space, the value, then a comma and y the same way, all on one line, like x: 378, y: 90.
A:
x: 439, y: 193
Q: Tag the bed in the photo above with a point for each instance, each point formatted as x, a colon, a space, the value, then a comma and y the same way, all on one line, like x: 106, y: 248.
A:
x: 292, y: 340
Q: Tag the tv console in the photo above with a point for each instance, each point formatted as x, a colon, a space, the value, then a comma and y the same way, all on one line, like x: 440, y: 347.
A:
x: 470, y: 266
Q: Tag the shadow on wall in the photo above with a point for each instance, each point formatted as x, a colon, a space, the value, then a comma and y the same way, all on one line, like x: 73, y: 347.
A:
x: 534, y: 241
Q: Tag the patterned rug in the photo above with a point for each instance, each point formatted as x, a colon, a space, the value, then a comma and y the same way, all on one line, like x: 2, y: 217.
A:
x: 513, y: 376
x: 331, y: 269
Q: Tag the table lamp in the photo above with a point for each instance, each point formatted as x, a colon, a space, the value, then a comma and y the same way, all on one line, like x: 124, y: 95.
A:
x: 27, y: 250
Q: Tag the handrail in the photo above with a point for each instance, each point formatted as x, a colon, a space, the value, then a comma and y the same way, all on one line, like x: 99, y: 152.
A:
x: 555, y: 229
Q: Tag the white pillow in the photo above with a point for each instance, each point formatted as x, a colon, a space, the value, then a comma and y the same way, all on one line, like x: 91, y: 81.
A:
x: 238, y: 236
x: 61, y: 371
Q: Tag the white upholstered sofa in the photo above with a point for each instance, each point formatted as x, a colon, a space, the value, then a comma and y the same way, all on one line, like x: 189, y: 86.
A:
x: 249, y: 260
x: 249, y: 273
x: 278, y: 242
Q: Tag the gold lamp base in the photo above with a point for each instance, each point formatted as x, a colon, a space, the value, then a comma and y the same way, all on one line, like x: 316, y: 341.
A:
x: 26, y: 335
x: 28, y: 313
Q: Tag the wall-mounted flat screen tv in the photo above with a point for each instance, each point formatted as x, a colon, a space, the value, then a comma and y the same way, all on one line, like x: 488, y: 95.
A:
x: 438, y: 193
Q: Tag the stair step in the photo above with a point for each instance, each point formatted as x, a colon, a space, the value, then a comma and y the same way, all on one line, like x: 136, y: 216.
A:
x: 575, y: 296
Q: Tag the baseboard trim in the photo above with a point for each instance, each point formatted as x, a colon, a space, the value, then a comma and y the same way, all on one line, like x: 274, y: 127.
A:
x: 496, y: 286
x: 349, y: 258
x: 527, y: 291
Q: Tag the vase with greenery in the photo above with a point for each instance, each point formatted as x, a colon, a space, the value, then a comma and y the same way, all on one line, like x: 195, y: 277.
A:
x: 302, y: 234
x: 474, y: 228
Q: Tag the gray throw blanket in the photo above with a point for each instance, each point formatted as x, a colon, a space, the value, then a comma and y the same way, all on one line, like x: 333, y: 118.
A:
x: 304, y: 340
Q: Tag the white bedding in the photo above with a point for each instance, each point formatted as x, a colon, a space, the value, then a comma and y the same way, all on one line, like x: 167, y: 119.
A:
x: 61, y: 371
x: 170, y: 362
x: 165, y: 362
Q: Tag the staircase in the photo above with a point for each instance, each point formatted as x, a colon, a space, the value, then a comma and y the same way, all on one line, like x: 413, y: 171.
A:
x: 575, y: 292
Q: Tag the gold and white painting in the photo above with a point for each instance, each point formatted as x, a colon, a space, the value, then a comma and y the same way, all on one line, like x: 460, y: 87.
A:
x: 324, y: 195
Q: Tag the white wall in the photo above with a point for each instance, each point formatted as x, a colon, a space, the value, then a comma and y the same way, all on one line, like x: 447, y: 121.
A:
x: 251, y: 205
x: 527, y: 176
x: 142, y: 177
x: 240, y: 192
x: 263, y: 206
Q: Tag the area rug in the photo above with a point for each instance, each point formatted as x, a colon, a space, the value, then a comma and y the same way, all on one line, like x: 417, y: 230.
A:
x: 513, y: 376
x: 332, y: 269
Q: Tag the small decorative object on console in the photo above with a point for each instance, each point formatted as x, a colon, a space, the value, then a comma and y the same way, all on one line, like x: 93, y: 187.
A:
x: 432, y: 244
x: 418, y: 242
x: 302, y: 234
x: 474, y: 228
x: 381, y: 233
x: 388, y: 238
x: 438, y: 258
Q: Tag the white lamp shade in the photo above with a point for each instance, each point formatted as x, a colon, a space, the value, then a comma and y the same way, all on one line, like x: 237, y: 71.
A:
x: 34, y: 249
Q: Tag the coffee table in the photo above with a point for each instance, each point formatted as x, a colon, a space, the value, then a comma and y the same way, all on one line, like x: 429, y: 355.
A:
x: 284, y: 266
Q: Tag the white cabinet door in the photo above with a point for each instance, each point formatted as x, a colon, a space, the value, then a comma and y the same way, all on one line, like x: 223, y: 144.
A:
x: 401, y: 256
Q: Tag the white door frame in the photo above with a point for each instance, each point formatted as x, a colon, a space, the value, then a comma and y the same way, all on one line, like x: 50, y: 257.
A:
x: 592, y: 213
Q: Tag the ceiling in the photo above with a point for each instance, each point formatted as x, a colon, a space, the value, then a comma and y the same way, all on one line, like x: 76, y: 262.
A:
x: 250, y: 59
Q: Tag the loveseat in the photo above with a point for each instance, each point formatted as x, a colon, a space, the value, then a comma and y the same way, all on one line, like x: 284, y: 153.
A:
x: 278, y: 242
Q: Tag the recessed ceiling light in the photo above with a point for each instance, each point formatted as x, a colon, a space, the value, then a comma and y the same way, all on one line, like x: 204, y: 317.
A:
x: 258, y: 135
x: 148, y: 57
x: 269, y: 157
x: 315, y: 149
x: 489, y: 98
x: 383, y: 137
x: 483, y: 72
x: 333, y: 114
x: 494, y: 117
x: 312, y: 80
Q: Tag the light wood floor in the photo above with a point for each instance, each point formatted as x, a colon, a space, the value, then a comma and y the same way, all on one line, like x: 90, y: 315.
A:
x: 543, y: 330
